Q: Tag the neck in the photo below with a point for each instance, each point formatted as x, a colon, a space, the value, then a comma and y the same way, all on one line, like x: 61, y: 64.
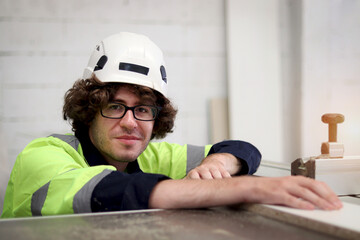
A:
x: 120, y: 166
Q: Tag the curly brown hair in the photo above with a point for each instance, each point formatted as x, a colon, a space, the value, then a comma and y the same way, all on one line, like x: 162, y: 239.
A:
x: 87, y: 96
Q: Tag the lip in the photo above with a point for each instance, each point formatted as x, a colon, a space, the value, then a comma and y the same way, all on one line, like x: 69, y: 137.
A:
x: 128, y: 139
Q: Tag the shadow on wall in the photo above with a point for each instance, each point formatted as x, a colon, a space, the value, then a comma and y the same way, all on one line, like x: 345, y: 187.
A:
x: 4, y: 170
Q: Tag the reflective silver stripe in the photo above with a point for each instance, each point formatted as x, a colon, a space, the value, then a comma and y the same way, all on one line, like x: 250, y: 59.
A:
x: 70, y: 139
x: 38, y: 200
x: 195, y: 154
x: 82, y: 199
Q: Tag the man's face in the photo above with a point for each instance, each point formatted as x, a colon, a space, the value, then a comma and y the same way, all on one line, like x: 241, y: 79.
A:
x: 121, y: 140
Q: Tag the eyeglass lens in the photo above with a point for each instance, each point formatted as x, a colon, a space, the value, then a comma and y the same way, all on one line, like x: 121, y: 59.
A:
x: 141, y: 112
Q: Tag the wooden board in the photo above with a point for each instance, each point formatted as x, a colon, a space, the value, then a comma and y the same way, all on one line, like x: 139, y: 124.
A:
x: 219, y: 121
x: 341, y: 174
x: 344, y: 223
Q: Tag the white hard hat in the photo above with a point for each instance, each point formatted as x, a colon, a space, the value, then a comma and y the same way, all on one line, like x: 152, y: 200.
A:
x: 128, y: 58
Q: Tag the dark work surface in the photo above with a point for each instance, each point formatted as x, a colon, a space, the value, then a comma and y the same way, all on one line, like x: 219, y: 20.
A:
x: 217, y: 223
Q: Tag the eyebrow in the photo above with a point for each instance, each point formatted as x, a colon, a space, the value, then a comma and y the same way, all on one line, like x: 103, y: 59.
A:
x: 117, y: 100
x: 136, y: 103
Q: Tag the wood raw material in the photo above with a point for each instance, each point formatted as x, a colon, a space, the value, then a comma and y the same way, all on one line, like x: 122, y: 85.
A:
x: 344, y: 223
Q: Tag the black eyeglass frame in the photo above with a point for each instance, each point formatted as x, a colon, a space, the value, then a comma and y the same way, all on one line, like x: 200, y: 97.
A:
x: 158, y: 109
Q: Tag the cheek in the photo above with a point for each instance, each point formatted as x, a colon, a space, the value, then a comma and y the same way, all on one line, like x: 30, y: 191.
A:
x: 148, y: 128
x: 94, y: 133
x: 97, y: 130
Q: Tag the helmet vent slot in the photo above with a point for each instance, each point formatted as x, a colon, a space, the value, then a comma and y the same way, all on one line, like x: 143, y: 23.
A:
x: 163, y: 73
x: 101, y: 63
x: 133, y: 68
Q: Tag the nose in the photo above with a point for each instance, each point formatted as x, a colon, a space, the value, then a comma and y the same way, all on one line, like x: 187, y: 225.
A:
x: 128, y: 121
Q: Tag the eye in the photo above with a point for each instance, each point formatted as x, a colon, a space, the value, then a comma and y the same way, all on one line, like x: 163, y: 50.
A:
x: 115, y: 107
x: 143, y: 109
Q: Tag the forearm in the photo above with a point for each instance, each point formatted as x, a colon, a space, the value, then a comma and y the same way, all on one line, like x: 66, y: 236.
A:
x: 298, y: 192
x: 187, y: 193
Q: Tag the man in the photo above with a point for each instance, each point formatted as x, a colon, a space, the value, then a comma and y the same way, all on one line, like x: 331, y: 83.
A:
x: 110, y: 164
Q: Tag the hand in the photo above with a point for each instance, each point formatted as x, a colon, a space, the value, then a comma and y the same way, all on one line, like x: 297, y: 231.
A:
x: 293, y: 191
x: 216, y: 166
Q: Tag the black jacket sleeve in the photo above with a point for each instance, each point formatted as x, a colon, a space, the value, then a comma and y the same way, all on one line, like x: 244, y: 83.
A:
x: 122, y: 191
x: 248, y: 154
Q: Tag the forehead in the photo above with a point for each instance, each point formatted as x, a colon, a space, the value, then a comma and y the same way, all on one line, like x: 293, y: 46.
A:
x: 138, y: 94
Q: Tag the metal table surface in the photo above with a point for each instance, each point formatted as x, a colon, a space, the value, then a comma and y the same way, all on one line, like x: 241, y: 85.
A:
x: 215, y: 223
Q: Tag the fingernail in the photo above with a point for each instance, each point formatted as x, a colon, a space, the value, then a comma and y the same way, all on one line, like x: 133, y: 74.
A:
x: 331, y: 207
x: 339, y: 204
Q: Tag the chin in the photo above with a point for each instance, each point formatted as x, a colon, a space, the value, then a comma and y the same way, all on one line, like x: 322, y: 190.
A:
x: 127, y: 158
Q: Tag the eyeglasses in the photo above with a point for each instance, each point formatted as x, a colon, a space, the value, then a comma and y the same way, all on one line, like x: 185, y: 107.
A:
x: 140, y: 112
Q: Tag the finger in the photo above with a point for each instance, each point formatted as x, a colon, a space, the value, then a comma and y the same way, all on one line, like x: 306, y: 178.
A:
x: 205, y: 174
x: 193, y: 175
x: 310, y: 197
x: 225, y: 174
x: 328, y: 194
x: 323, y: 194
x: 216, y: 174
x: 307, y: 195
x: 301, y: 204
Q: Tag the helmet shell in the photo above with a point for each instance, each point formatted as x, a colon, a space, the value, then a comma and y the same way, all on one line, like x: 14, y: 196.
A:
x: 128, y: 58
